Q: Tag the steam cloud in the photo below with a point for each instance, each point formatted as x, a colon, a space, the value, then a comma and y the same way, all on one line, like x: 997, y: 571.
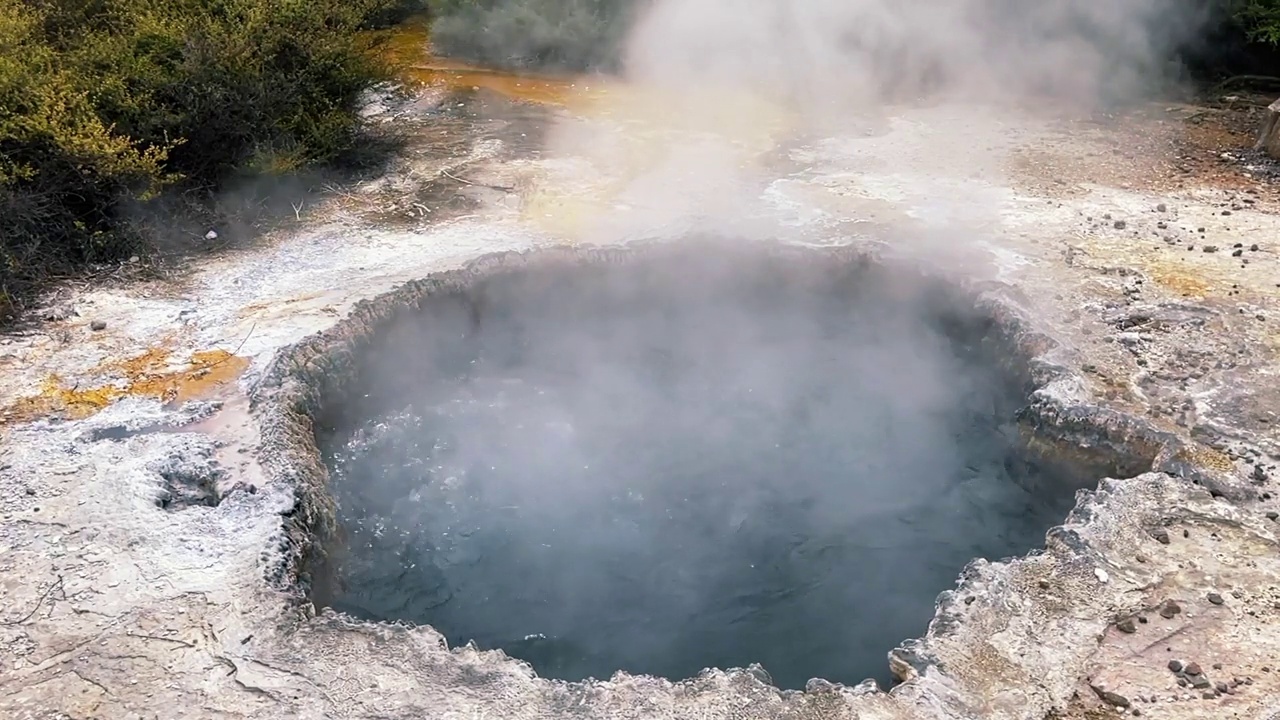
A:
x: 869, y: 51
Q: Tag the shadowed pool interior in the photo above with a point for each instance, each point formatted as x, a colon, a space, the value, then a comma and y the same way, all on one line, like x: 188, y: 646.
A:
x: 681, y: 461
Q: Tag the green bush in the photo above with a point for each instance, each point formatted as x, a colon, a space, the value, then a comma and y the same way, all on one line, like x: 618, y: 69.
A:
x: 1260, y: 18
x: 105, y: 103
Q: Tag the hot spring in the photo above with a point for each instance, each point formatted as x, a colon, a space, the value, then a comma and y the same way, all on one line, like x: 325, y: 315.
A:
x: 665, y: 460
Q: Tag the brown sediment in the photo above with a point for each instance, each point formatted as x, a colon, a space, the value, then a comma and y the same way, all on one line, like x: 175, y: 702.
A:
x: 149, y: 374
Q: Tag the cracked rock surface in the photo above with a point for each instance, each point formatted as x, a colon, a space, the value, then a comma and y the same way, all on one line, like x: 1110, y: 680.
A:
x: 143, y: 549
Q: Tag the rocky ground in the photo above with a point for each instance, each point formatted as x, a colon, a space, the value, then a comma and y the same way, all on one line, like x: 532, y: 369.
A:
x: 136, y: 516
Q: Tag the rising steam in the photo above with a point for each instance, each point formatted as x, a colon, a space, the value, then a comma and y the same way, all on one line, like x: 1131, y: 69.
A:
x: 706, y: 459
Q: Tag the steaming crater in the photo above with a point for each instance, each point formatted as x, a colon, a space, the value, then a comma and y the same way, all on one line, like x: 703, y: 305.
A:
x: 679, y: 457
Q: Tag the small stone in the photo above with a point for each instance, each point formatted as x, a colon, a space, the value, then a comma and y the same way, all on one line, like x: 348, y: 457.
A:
x: 1142, y: 619
x: 1208, y: 695
x: 98, y: 325
x: 211, y: 235
x: 1161, y: 536
x: 1110, y: 698
x: 1127, y: 626
x: 1182, y: 682
x: 1199, y: 682
x: 1169, y: 609
x: 1211, y: 248
x: 1254, y: 247
x: 1186, y: 533
x: 1222, y: 687
x: 1101, y: 575
x: 1043, y: 584
x: 1273, y: 515
x: 1226, y: 212
x: 1192, y: 668
x: 1119, y: 224
x: 1162, y: 207
x: 1237, y: 253
x: 1215, y: 598
x: 1175, y: 665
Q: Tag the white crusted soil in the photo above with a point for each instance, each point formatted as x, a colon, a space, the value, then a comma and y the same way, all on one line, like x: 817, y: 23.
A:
x: 125, y: 595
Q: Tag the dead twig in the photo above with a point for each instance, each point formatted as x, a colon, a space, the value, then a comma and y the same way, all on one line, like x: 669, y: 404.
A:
x: 448, y: 174
x: 235, y: 352
x: 161, y: 639
x: 501, y: 188
x: 1264, y: 80
x: 57, y: 585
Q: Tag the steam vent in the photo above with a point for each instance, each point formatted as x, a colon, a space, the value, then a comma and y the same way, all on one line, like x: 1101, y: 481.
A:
x: 669, y: 458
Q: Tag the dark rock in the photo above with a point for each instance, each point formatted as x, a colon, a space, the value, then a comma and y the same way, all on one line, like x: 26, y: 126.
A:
x: 1209, y: 695
x: 1222, y: 687
x: 1237, y: 253
x: 1254, y: 247
x: 1182, y: 682
x: 1211, y: 248
x: 1175, y: 665
x: 1127, y: 626
x: 1199, y: 682
x: 1162, y: 207
x: 1110, y: 698
x: 98, y: 325
x: 1119, y: 224
x: 1192, y: 669
x: 1169, y: 609
x: 1161, y: 535
x: 1215, y: 598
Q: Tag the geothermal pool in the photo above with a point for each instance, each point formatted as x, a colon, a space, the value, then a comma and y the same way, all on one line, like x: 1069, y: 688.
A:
x: 682, y: 462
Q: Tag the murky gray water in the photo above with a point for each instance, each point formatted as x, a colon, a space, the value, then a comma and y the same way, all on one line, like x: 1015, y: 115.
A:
x: 677, y: 476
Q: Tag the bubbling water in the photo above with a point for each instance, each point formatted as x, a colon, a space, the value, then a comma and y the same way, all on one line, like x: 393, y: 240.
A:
x: 599, y: 469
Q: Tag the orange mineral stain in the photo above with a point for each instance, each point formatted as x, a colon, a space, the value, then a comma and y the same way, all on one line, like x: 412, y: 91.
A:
x: 408, y: 47
x: 147, y: 375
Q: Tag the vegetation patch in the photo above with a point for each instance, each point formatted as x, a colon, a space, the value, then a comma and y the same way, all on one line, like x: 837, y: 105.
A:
x: 107, y: 105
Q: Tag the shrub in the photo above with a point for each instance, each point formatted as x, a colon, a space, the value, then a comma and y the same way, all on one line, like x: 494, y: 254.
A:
x: 1260, y: 19
x: 105, y: 103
